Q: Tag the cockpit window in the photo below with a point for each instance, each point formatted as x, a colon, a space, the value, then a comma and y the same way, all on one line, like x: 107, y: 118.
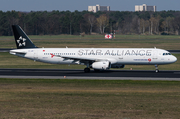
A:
x: 166, y: 53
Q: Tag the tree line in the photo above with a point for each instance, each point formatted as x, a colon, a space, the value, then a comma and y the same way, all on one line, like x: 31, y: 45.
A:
x: 75, y: 23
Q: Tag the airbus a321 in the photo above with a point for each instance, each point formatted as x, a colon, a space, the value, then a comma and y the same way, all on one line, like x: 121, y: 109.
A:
x: 95, y: 58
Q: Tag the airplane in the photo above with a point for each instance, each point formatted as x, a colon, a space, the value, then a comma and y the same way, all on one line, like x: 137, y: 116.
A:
x: 95, y: 58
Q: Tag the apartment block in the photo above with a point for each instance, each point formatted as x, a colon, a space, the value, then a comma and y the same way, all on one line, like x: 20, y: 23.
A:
x: 144, y: 7
x: 98, y: 8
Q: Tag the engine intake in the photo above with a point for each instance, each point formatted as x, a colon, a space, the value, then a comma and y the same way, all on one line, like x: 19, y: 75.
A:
x: 102, y: 65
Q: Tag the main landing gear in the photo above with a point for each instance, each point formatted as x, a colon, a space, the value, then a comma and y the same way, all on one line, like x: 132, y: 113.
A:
x: 156, y: 66
x: 86, y: 70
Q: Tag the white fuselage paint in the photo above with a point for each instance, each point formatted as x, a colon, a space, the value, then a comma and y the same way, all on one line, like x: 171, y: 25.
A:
x: 125, y: 56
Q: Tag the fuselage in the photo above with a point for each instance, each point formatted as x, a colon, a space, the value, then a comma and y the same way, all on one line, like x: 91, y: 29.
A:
x: 125, y: 56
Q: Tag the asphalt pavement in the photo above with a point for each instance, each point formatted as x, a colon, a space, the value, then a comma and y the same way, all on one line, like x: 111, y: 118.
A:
x: 79, y: 74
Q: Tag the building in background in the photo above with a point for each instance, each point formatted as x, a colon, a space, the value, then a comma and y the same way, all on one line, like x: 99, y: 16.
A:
x: 98, y: 8
x: 144, y: 7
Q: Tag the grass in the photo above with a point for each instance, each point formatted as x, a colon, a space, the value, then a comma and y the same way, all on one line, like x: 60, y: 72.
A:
x: 121, y: 41
x: 40, y: 37
x: 72, y: 41
x: 32, y: 98
x: 87, y: 99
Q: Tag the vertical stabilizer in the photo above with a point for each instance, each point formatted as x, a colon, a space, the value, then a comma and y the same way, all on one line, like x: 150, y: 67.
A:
x: 21, y: 39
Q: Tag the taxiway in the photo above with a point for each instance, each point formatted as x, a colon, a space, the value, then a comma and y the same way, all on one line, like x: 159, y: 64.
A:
x: 79, y: 74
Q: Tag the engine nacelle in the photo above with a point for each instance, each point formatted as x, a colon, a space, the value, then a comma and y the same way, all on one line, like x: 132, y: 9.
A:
x: 117, y: 66
x: 102, y: 65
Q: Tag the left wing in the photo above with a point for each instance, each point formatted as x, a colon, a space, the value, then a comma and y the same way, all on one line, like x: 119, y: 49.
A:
x: 81, y: 58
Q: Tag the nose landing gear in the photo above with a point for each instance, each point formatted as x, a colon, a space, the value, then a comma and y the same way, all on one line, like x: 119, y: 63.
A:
x: 86, y: 70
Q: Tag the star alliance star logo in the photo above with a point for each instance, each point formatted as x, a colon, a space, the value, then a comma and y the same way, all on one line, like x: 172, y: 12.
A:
x: 21, y: 41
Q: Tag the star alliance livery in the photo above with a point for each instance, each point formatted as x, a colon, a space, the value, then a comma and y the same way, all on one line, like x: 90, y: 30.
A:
x: 95, y: 58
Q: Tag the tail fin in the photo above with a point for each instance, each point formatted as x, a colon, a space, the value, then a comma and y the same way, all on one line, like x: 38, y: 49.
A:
x: 21, y: 39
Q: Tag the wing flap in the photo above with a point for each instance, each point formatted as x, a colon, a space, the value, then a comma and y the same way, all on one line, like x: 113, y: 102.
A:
x: 76, y: 59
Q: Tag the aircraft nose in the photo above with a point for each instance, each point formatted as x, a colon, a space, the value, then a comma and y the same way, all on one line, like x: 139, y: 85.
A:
x: 174, y: 59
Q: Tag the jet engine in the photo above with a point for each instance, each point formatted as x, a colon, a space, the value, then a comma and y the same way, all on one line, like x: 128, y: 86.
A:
x: 102, y: 65
x: 117, y: 66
